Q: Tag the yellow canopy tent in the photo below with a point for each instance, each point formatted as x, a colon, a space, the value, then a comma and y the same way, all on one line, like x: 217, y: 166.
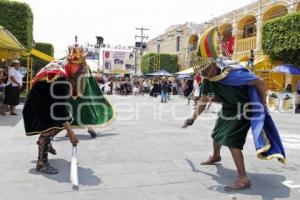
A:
x: 10, y: 47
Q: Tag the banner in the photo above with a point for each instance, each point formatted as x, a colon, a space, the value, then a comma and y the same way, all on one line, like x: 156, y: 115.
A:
x: 281, y: 102
x: 287, y: 103
x: 118, y: 61
x: 92, y: 58
x: 273, y: 100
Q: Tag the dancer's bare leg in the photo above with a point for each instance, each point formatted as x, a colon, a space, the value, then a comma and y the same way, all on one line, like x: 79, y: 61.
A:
x: 216, y: 157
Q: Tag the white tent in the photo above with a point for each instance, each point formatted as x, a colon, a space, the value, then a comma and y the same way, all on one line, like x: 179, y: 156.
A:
x: 186, y: 71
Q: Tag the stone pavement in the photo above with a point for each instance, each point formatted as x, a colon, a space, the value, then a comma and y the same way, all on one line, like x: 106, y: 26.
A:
x: 145, y: 155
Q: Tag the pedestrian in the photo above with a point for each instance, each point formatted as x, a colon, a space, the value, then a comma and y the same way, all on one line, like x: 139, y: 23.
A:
x: 288, y: 89
x: 251, y: 60
x: 2, y: 88
x: 237, y: 89
x: 45, y: 113
x: 174, y: 88
x: 169, y: 90
x: 145, y: 86
x: 196, y: 89
x: 13, y: 87
x: 164, y: 91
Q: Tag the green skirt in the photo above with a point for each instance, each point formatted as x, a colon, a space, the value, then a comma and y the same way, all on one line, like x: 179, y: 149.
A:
x: 230, y: 129
x: 92, y: 109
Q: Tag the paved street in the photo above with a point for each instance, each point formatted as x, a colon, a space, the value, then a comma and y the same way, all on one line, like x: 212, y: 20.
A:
x: 145, y: 155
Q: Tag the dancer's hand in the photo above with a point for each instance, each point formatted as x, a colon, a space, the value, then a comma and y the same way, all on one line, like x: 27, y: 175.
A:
x: 73, y: 138
x: 188, y: 122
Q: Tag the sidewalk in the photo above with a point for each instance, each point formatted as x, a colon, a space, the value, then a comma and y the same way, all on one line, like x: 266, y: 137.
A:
x: 145, y: 157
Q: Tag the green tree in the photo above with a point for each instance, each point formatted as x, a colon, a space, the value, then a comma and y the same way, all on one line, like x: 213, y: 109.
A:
x: 18, y: 19
x: 168, y: 62
x: 281, y: 38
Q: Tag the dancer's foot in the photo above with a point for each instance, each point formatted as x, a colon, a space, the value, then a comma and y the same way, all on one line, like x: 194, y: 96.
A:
x: 239, y: 184
x: 211, y: 160
x: 92, y: 133
x: 47, y: 169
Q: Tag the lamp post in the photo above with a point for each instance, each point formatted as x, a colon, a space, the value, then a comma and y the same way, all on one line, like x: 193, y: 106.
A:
x: 157, y: 64
x: 98, y: 45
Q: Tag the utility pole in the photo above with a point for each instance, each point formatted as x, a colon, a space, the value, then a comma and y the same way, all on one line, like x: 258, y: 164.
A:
x: 142, y: 37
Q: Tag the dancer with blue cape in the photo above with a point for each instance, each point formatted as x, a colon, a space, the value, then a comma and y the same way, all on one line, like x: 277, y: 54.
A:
x: 243, y: 98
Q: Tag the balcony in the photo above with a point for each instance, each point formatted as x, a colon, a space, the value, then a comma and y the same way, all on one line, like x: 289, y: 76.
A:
x: 246, y: 44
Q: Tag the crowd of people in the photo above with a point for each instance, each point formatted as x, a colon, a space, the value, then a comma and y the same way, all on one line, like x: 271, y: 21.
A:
x: 153, y: 86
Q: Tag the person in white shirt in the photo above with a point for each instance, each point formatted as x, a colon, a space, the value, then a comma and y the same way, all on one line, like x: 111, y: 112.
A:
x: 145, y: 86
x: 13, y: 87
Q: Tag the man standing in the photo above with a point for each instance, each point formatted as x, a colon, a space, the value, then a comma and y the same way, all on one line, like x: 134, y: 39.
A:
x: 238, y: 90
x: 164, y: 91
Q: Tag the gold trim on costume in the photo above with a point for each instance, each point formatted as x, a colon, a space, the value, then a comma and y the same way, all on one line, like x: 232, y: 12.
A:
x: 266, y: 148
x: 50, y: 80
x: 45, y: 131
x: 49, y: 129
x: 221, y: 76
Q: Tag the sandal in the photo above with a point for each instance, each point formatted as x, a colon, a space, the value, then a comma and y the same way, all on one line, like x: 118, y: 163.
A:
x: 92, y: 133
x: 211, y: 161
x: 47, y: 169
x: 238, y: 185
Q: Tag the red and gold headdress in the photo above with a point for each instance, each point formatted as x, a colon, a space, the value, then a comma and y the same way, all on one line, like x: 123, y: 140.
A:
x: 76, y: 54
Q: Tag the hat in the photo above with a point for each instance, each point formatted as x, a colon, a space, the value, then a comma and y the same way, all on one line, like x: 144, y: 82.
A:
x: 207, y: 51
x: 76, y: 55
x: 15, y: 61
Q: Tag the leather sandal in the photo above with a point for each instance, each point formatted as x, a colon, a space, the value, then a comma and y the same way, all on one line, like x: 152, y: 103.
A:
x: 211, y: 161
x: 238, y: 185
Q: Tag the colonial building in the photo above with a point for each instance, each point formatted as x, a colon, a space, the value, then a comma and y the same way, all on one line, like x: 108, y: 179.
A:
x: 240, y: 31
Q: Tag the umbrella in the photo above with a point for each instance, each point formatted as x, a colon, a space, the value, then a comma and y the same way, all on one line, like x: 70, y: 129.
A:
x: 183, y: 76
x: 160, y: 73
x: 287, y: 69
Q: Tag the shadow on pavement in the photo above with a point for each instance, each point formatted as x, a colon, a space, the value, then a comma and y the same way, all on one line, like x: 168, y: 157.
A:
x: 269, y: 180
x: 86, y: 176
x: 85, y: 137
x: 11, y: 120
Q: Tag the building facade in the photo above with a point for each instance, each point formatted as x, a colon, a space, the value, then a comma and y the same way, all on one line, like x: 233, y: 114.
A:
x: 239, y: 30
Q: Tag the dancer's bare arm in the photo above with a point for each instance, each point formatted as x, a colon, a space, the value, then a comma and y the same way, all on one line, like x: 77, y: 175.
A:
x: 200, y: 107
x: 71, y: 134
x: 259, y: 83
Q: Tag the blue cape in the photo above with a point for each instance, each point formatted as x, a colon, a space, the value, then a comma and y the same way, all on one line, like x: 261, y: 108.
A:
x: 265, y: 134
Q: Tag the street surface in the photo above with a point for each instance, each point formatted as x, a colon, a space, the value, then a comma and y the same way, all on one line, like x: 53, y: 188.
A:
x: 145, y: 155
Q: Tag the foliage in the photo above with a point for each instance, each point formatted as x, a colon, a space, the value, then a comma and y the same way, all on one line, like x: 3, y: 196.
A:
x: 45, y: 48
x: 281, y: 38
x: 168, y: 62
x: 18, y: 19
